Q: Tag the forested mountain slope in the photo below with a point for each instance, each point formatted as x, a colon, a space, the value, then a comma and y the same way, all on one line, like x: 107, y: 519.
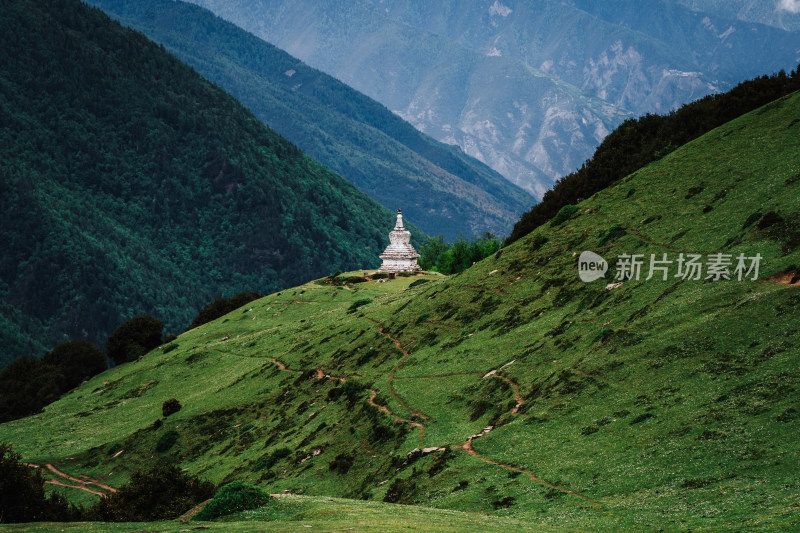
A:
x: 130, y: 184
x: 439, y: 187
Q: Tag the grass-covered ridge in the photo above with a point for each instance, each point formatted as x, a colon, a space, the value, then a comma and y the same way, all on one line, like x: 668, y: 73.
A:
x: 655, y: 404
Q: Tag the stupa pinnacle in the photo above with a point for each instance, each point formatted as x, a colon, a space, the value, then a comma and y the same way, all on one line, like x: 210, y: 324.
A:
x: 399, y: 256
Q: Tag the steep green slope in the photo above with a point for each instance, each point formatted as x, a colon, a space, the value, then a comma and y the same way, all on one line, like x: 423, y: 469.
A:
x: 651, y: 404
x: 130, y: 184
x: 439, y: 187
x: 638, y: 142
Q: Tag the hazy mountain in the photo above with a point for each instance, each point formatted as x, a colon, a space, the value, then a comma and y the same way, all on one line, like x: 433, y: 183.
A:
x: 132, y: 185
x: 441, y: 189
x: 784, y: 14
x: 530, y: 89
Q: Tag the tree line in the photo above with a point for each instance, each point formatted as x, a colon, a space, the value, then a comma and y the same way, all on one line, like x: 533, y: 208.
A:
x: 29, y: 383
x: 452, y: 258
x: 640, y: 141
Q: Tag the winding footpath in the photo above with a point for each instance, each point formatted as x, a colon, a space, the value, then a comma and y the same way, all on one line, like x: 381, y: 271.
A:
x: 466, y: 446
x: 81, y: 483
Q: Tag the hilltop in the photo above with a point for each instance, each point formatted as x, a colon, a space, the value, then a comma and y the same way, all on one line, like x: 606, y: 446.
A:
x: 439, y: 187
x: 132, y: 185
x: 513, y: 388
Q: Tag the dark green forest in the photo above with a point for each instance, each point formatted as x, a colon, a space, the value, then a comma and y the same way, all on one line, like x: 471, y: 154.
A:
x: 440, y: 188
x: 640, y: 141
x: 131, y: 185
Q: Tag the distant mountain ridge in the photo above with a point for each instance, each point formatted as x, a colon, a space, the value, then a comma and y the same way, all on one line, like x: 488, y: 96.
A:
x: 441, y: 189
x: 530, y: 89
x: 132, y: 185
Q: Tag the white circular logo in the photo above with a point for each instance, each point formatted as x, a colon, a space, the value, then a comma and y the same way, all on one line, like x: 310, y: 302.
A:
x: 591, y: 266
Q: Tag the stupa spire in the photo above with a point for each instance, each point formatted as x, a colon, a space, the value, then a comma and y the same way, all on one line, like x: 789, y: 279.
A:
x: 399, y: 256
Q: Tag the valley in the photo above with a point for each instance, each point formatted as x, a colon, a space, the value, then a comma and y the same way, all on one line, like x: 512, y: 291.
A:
x: 512, y: 389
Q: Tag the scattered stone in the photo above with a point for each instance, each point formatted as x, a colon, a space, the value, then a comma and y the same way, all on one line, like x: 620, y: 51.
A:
x: 611, y: 286
x: 433, y: 449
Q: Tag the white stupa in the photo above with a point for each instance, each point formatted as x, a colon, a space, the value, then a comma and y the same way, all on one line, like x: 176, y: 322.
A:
x: 399, y: 256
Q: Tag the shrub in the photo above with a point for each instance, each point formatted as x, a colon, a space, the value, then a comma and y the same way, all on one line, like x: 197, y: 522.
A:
x: 538, y: 241
x: 641, y: 418
x: 221, y: 307
x: 770, y: 219
x: 418, y: 282
x: 232, y: 498
x: 563, y: 214
x: 22, y: 494
x: 167, y: 441
x: 751, y: 219
x: 613, y: 233
x: 134, y: 338
x: 26, y: 385
x: 169, y: 347
x: 163, y: 492
x: 77, y: 360
x: 379, y: 275
x: 358, y: 303
x: 352, y: 389
x: 169, y: 407
x: 276, y: 456
x: 341, y: 463
x: 114, y: 448
x: 401, y: 491
x: 353, y: 279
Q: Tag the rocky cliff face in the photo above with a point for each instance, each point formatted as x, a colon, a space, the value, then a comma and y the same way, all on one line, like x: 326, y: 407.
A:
x: 530, y: 89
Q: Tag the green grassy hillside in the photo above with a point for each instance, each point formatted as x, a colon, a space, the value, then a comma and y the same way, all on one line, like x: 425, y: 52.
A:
x: 513, y: 389
x: 132, y: 185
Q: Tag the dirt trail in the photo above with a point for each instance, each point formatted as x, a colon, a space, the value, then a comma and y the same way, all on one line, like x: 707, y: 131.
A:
x: 786, y: 278
x: 81, y: 483
x: 282, y: 367
x: 517, y: 394
x: 467, y: 447
x: 321, y: 374
x: 390, y: 377
x: 384, y: 409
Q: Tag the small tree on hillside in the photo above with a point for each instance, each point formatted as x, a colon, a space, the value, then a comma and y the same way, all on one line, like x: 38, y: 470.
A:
x: 163, y: 492
x: 221, y: 307
x: 26, y: 385
x: 170, y: 407
x: 22, y: 494
x: 134, y: 338
x: 78, y: 360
